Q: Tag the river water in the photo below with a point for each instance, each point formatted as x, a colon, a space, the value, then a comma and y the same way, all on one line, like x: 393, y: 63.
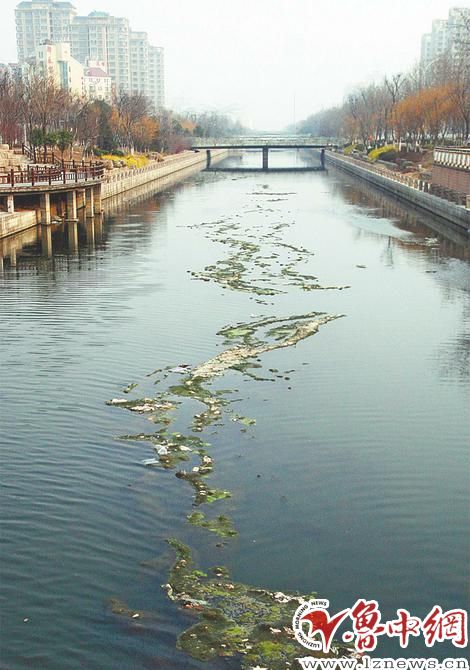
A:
x: 353, y: 482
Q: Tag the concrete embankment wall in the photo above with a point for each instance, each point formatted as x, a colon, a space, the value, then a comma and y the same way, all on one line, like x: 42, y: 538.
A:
x: 10, y: 224
x: 458, y: 216
x: 119, y: 181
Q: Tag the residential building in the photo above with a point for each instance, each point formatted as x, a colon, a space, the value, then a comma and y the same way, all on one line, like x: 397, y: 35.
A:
x: 459, y: 31
x: 139, y: 58
x: 97, y: 83
x: 100, y: 36
x: 40, y: 20
x: 156, y: 66
x: 146, y: 69
x: 435, y: 43
x: 447, y: 36
x: 55, y: 60
x: 134, y: 65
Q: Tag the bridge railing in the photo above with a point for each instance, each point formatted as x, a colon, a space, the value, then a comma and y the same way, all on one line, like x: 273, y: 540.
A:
x: 68, y: 172
x: 263, y: 140
x: 453, y: 157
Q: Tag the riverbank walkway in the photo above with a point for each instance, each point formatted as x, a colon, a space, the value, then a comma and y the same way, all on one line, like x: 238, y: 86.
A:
x: 77, y: 184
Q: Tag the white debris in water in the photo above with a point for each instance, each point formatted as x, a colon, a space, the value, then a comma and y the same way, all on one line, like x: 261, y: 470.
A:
x: 150, y: 461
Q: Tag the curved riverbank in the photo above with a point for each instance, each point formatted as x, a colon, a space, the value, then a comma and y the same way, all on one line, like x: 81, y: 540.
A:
x: 454, y: 214
x: 117, y: 182
x: 121, y: 180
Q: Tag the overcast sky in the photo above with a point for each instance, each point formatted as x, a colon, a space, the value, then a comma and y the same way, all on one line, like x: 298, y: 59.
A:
x: 268, y: 61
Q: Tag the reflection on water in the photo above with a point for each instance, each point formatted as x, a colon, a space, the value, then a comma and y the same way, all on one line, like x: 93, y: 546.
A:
x: 404, y: 218
x: 354, y: 480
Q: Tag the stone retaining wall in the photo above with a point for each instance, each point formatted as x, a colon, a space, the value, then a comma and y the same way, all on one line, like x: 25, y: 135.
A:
x: 455, y: 214
x: 119, y: 181
x: 449, y: 177
x: 17, y: 222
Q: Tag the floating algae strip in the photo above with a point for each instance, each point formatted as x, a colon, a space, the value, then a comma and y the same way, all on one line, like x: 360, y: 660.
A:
x: 234, y: 619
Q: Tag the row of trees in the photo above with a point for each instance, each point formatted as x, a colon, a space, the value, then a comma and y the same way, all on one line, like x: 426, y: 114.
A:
x: 34, y: 108
x: 426, y: 105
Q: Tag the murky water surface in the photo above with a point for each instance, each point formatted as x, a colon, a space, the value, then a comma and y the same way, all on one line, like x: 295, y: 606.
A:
x: 354, y: 480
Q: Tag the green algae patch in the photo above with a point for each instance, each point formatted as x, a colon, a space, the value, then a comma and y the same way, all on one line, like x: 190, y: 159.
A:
x: 192, y: 388
x: 245, y: 420
x: 157, y: 408
x: 301, y: 328
x: 235, y: 619
x: 129, y: 388
x: 221, y: 525
x: 121, y: 609
x: 172, y: 448
x: 203, y: 493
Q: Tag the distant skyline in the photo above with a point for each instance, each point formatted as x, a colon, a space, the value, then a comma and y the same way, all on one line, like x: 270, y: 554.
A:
x: 268, y: 62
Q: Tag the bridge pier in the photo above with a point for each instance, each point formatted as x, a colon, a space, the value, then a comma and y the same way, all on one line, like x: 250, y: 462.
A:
x: 45, y: 207
x: 72, y: 235
x: 71, y: 214
x: 89, y: 202
x: 265, y: 158
x: 46, y: 240
x: 90, y: 232
x: 81, y: 199
x: 97, y: 198
x: 98, y: 227
x: 209, y: 158
x: 11, y: 204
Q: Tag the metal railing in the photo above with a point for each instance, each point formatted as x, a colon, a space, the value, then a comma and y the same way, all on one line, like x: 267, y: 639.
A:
x: 423, y: 185
x: 453, y: 157
x: 67, y: 173
x: 256, y: 141
x: 413, y: 182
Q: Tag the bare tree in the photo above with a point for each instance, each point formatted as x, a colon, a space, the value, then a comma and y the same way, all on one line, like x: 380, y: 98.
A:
x: 129, y: 110
x: 11, y: 113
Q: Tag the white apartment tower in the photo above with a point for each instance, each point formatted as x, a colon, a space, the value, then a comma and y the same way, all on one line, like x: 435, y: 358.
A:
x: 102, y: 37
x: 146, y: 69
x: 41, y: 20
x: 447, y: 36
x: 54, y: 60
x: 139, y: 60
x: 134, y: 65
x: 157, y: 76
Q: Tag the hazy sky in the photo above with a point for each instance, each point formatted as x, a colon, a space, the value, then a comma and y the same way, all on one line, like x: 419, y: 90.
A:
x: 268, y: 61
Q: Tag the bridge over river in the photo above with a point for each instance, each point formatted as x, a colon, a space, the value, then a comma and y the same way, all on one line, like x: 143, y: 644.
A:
x: 263, y: 144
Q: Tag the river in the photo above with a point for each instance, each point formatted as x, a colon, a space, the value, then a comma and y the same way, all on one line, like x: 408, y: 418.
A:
x: 353, y: 481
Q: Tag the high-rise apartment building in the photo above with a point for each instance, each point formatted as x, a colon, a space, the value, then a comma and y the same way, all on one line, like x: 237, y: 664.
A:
x: 459, y: 31
x: 134, y: 65
x: 41, y: 20
x: 102, y: 37
x: 446, y: 36
x: 55, y: 60
x: 157, y: 76
x: 139, y: 58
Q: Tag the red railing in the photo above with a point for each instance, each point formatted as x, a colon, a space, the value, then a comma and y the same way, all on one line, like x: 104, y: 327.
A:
x: 67, y: 173
x: 38, y: 155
